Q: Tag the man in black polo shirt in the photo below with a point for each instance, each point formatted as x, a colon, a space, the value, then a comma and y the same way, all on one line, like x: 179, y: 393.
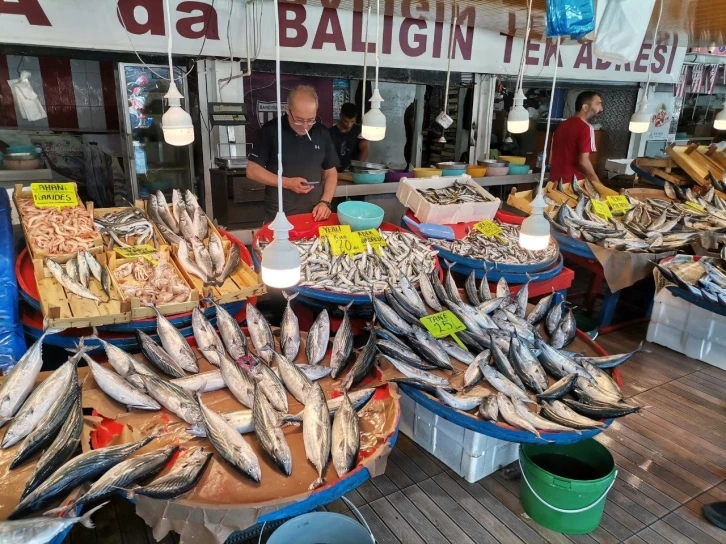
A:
x: 346, y: 138
x: 308, y: 159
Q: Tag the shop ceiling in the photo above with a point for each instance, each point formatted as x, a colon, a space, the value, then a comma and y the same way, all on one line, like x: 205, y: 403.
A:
x: 696, y: 22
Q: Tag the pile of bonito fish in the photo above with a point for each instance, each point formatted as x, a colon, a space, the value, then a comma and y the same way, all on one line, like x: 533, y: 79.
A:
x: 373, y: 269
x: 152, y: 284
x: 201, y: 251
x: 503, y: 248
x: 78, y: 272
x: 57, y: 230
x: 127, y: 227
x: 457, y: 193
x: 705, y: 278
x: 504, y: 349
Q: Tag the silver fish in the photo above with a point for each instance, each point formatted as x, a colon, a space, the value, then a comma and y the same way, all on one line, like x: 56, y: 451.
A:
x: 208, y: 341
x: 502, y: 384
x: 238, y: 381
x: 539, y: 422
x: 162, y: 208
x: 342, y: 344
x: 511, y: 416
x: 204, y: 382
x: 521, y: 300
x: 93, y: 265
x: 216, y: 251
x: 189, y: 265
x: 201, y: 224
x: 318, y: 338
x: 458, y: 402
x: 456, y: 351
x: 526, y: 365
x: 450, y: 285
x: 260, y: 333
x: 540, y: 309
x: 559, y: 412
x: 313, y: 372
x: 473, y: 374
x: 177, y: 204
x: 296, y: 382
x: 160, y: 358
x: 233, y: 337
x: 553, y: 318
x: 558, y: 389
x: 184, y: 475
x: 503, y: 289
x: 67, y: 282
x: 230, y: 266
x: 173, y: 398
x: 175, y: 344
x: 345, y: 437
x: 484, y: 292
x: 556, y: 363
x: 119, y: 389
x: 427, y: 291
x: 42, y: 529
x: 268, y: 428
x: 186, y: 224
x: 71, y: 268
x: 190, y: 201
x: 230, y: 444
x: 504, y: 365
x: 590, y: 391
x: 127, y: 473
x: 316, y: 431
x: 415, y: 373
x: 489, y: 408
x: 270, y: 385
x: 202, y: 257
x: 411, y: 294
x: 84, y: 273
x: 603, y: 380
x: 471, y: 290
x: 363, y: 363
x: 388, y: 318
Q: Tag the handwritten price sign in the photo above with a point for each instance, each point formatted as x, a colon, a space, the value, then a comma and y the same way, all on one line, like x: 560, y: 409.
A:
x: 54, y: 195
x: 601, y: 208
x: 619, y: 204
x: 346, y: 242
x: 444, y: 324
x: 144, y: 250
x: 372, y: 236
x: 333, y: 229
x: 695, y: 206
x: 488, y: 228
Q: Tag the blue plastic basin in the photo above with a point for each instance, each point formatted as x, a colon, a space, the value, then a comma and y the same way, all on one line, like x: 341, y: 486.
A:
x: 453, y: 173
x: 368, y: 177
x: 360, y: 215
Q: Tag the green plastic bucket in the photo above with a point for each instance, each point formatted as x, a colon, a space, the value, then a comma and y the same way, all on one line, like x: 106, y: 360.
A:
x: 563, y: 487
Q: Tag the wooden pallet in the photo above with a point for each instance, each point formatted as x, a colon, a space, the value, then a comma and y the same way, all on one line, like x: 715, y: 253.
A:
x: 158, y: 241
x: 687, y: 158
x: 139, y: 310
x: 62, y: 308
x: 718, y: 157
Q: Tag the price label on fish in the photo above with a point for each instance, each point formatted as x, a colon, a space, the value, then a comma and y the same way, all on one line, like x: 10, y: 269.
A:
x: 143, y: 250
x: 372, y: 236
x: 488, y: 228
x: 333, y: 229
x: 619, y: 204
x: 444, y: 324
x: 54, y: 195
x: 695, y: 206
x: 347, y: 242
x: 601, y: 208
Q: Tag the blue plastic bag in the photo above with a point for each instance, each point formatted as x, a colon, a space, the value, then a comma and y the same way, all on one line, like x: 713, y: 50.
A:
x: 573, y: 18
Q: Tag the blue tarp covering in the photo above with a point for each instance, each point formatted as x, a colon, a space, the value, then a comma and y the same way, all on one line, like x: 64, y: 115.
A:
x: 12, y: 342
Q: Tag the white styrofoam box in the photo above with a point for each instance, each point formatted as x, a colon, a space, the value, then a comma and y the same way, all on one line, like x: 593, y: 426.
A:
x: 671, y: 316
x: 408, y: 415
x: 708, y: 351
x: 666, y: 336
x: 426, y: 212
x: 619, y: 166
x: 424, y: 428
x: 705, y: 324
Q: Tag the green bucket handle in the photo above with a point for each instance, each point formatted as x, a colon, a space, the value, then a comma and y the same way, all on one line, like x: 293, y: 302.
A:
x: 563, y: 510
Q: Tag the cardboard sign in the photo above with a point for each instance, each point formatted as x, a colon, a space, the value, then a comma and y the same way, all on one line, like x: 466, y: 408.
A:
x: 601, y: 209
x: 333, y: 229
x: 488, y: 228
x: 444, y: 324
x: 619, y: 204
x: 144, y: 250
x: 695, y: 206
x: 372, y: 236
x: 346, y: 242
x: 54, y: 195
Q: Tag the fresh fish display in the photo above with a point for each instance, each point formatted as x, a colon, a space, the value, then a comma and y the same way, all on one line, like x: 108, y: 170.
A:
x: 403, y: 353
x: 429, y: 348
x: 609, y: 361
x: 57, y: 231
x: 318, y: 338
x: 152, y: 284
x: 160, y: 358
x: 260, y: 334
x: 185, y: 259
x: 559, y: 389
x: 84, y: 273
x: 312, y: 372
x: 290, y: 330
x: 428, y: 293
x: 558, y: 364
x: 71, y: 285
x: 317, y: 431
x: 42, y: 529
x: 456, y: 351
x: 201, y: 226
x: 342, y: 344
x: 175, y: 344
x: 202, y: 257
x: 229, y: 443
x: 510, y: 414
x: 458, y: 402
x: 234, y: 340
x: 208, y: 341
x: 559, y: 412
x: 489, y: 408
x: 268, y: 428
x: 526, y: 365
x: 204, y: 382
x: 173, y: 398
x: 591, y: 392
x: 127, y: 227
x: 473, y: 374
x: 363, y: 364
x: 503, y: 248
x: 404, y: 253
x: 537, y: 421
x: 601, y: 409
x: 705, y: 278
x: 456, y: 193
x: 416, y: 374
x: 184, y: 475
x: 119, y: 389
x: 499, y: 382
x: 390, y: 319
x: 295, y: 381
x: 270, y: 385
x: 345, y: 437
x: 238, y: 380
x: 230, y: 264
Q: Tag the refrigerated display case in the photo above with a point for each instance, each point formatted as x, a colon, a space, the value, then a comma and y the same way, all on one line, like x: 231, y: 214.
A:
x: 151, y: 163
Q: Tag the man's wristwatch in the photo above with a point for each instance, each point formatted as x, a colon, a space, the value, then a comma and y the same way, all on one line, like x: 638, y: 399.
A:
x: 327, y: 204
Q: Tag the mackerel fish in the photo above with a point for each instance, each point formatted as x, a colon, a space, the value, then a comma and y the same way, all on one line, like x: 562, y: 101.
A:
x: 184, y: 475
x: 290, y: 330
x: 260, y: 334
x: 342, y: 344
x: 317, y: 341
x: 268, y: 428
x: 345, y: 436
x: 42, y: 529
x: 316, y: 431
x: 175, y: 344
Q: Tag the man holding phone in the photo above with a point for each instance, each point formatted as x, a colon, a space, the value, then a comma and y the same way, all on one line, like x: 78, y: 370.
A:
x: 309, y: 159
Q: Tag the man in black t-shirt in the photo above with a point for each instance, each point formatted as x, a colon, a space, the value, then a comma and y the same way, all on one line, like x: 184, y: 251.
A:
x: 346, y: 138
x: 308, y: 159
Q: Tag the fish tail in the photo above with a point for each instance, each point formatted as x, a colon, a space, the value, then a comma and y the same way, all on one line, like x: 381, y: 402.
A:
x: 449, y: 264
x: 343, y: 308
x: 290, y: 297
x: 85, y: 519
x: 317, y: 483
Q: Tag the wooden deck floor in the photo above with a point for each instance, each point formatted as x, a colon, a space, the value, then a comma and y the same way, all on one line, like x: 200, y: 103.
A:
x: 671, y: 459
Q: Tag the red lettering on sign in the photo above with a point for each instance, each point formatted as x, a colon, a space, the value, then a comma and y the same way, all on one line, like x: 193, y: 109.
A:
x: 532, y: 47
x: 207, y: 18
x: 439, y: 31
x: 508, y: 44
x: 584, y: 57
x: 406, y: 12
x: 335, y: 36
x: 642, y: 58
x: 659, y: 59
x: 602, y: 64
x: 673, y: 53
x: 154, y: 16
x: 295, y: 24
x: 387, y: 34
x: 30, y: 9
x: 357, y: 45
x: 550, y: 52
x: 466, y: 17
x: 419, y: 39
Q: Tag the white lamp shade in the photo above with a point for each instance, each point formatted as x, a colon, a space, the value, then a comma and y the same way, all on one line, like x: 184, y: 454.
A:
x: 518, y: 119
x: 280, y: 264
x: 640, y: 121
x: 534, y: 234
x: 719, y: 122
x: 176, y: 121
x: 374, y: 122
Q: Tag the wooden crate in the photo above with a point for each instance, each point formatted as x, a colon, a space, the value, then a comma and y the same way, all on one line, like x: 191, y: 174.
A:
x: 140, y: 311
x: 642, y: 193
x: 242, y: 284
x: 718, y: 157
x: 684, y: 157
x: 64, y: 309
x: 23, y: 193
x: 212, y: 227
x: 158, y: 242
x: 522, y: 200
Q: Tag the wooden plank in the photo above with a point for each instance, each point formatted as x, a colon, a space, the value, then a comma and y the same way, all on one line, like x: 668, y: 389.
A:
x: 368, y: 491
x: 384, y: 485
x: 715, y: 373
x: 689, y: 164
x: 651, y: 537
x: 633, y: 508
x: 635, y: 539
x: 107, y: 528
x: 337, y: 506
x: 625, y: 523
x: 424, y: 524
x: 696, y: 394
x: 395, y: 521
x: 670, y: 533
x: 418, y: 456
x: 405, y: 464
x: 355, y: 498
x: 703, y: 384
x: 685, y: 401
x: 381, y: 532
x: 133, y: 528
x: 692, y: 513
x: 654, y: 509
x: 690, y: 530
x: 399, y: 478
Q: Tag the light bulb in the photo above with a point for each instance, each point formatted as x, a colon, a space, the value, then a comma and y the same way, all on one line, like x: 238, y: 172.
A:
x: 280, y: 259
x: 374, y: 122
x: 518, y: 119
x: 640, y: 120
x: 176, y: 121
x: 534, y: 234
x: 719, y: 122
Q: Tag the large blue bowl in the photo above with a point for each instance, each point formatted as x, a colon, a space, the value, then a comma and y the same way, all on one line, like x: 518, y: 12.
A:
x: 368, y: 177
x: 360, y: 215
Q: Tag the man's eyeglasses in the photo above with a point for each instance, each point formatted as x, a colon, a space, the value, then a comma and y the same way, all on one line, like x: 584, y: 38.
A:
x: 301, y: 122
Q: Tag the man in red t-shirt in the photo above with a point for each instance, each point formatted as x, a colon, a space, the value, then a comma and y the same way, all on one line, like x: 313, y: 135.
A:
x: 574, y: 140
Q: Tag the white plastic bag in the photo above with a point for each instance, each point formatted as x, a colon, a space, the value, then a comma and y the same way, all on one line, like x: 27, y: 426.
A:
x: 622, y: 29
x: 25, y: 97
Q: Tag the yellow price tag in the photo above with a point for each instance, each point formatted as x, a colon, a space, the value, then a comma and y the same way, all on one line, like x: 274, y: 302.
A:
x: 144, y: 250
x: 619, y: 204
x: 444, y: 324
x: 488, y: 228
x: 601, y: 208
x: 53, y: 195
x: 347, y: 242
x: 695, y: 206
x: 333, y: 229
x: 372, y: 236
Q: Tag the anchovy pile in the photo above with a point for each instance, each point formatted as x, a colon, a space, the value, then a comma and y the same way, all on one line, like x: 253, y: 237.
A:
x: 705, y: 278
x: 457, y: 193
x: 505, y: 349
x: 404, y: 254
x: 128, y: 227
x: 503, y: 248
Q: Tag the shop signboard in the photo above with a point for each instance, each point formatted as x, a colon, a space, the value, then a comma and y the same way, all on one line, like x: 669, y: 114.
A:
x: 411, y: 37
